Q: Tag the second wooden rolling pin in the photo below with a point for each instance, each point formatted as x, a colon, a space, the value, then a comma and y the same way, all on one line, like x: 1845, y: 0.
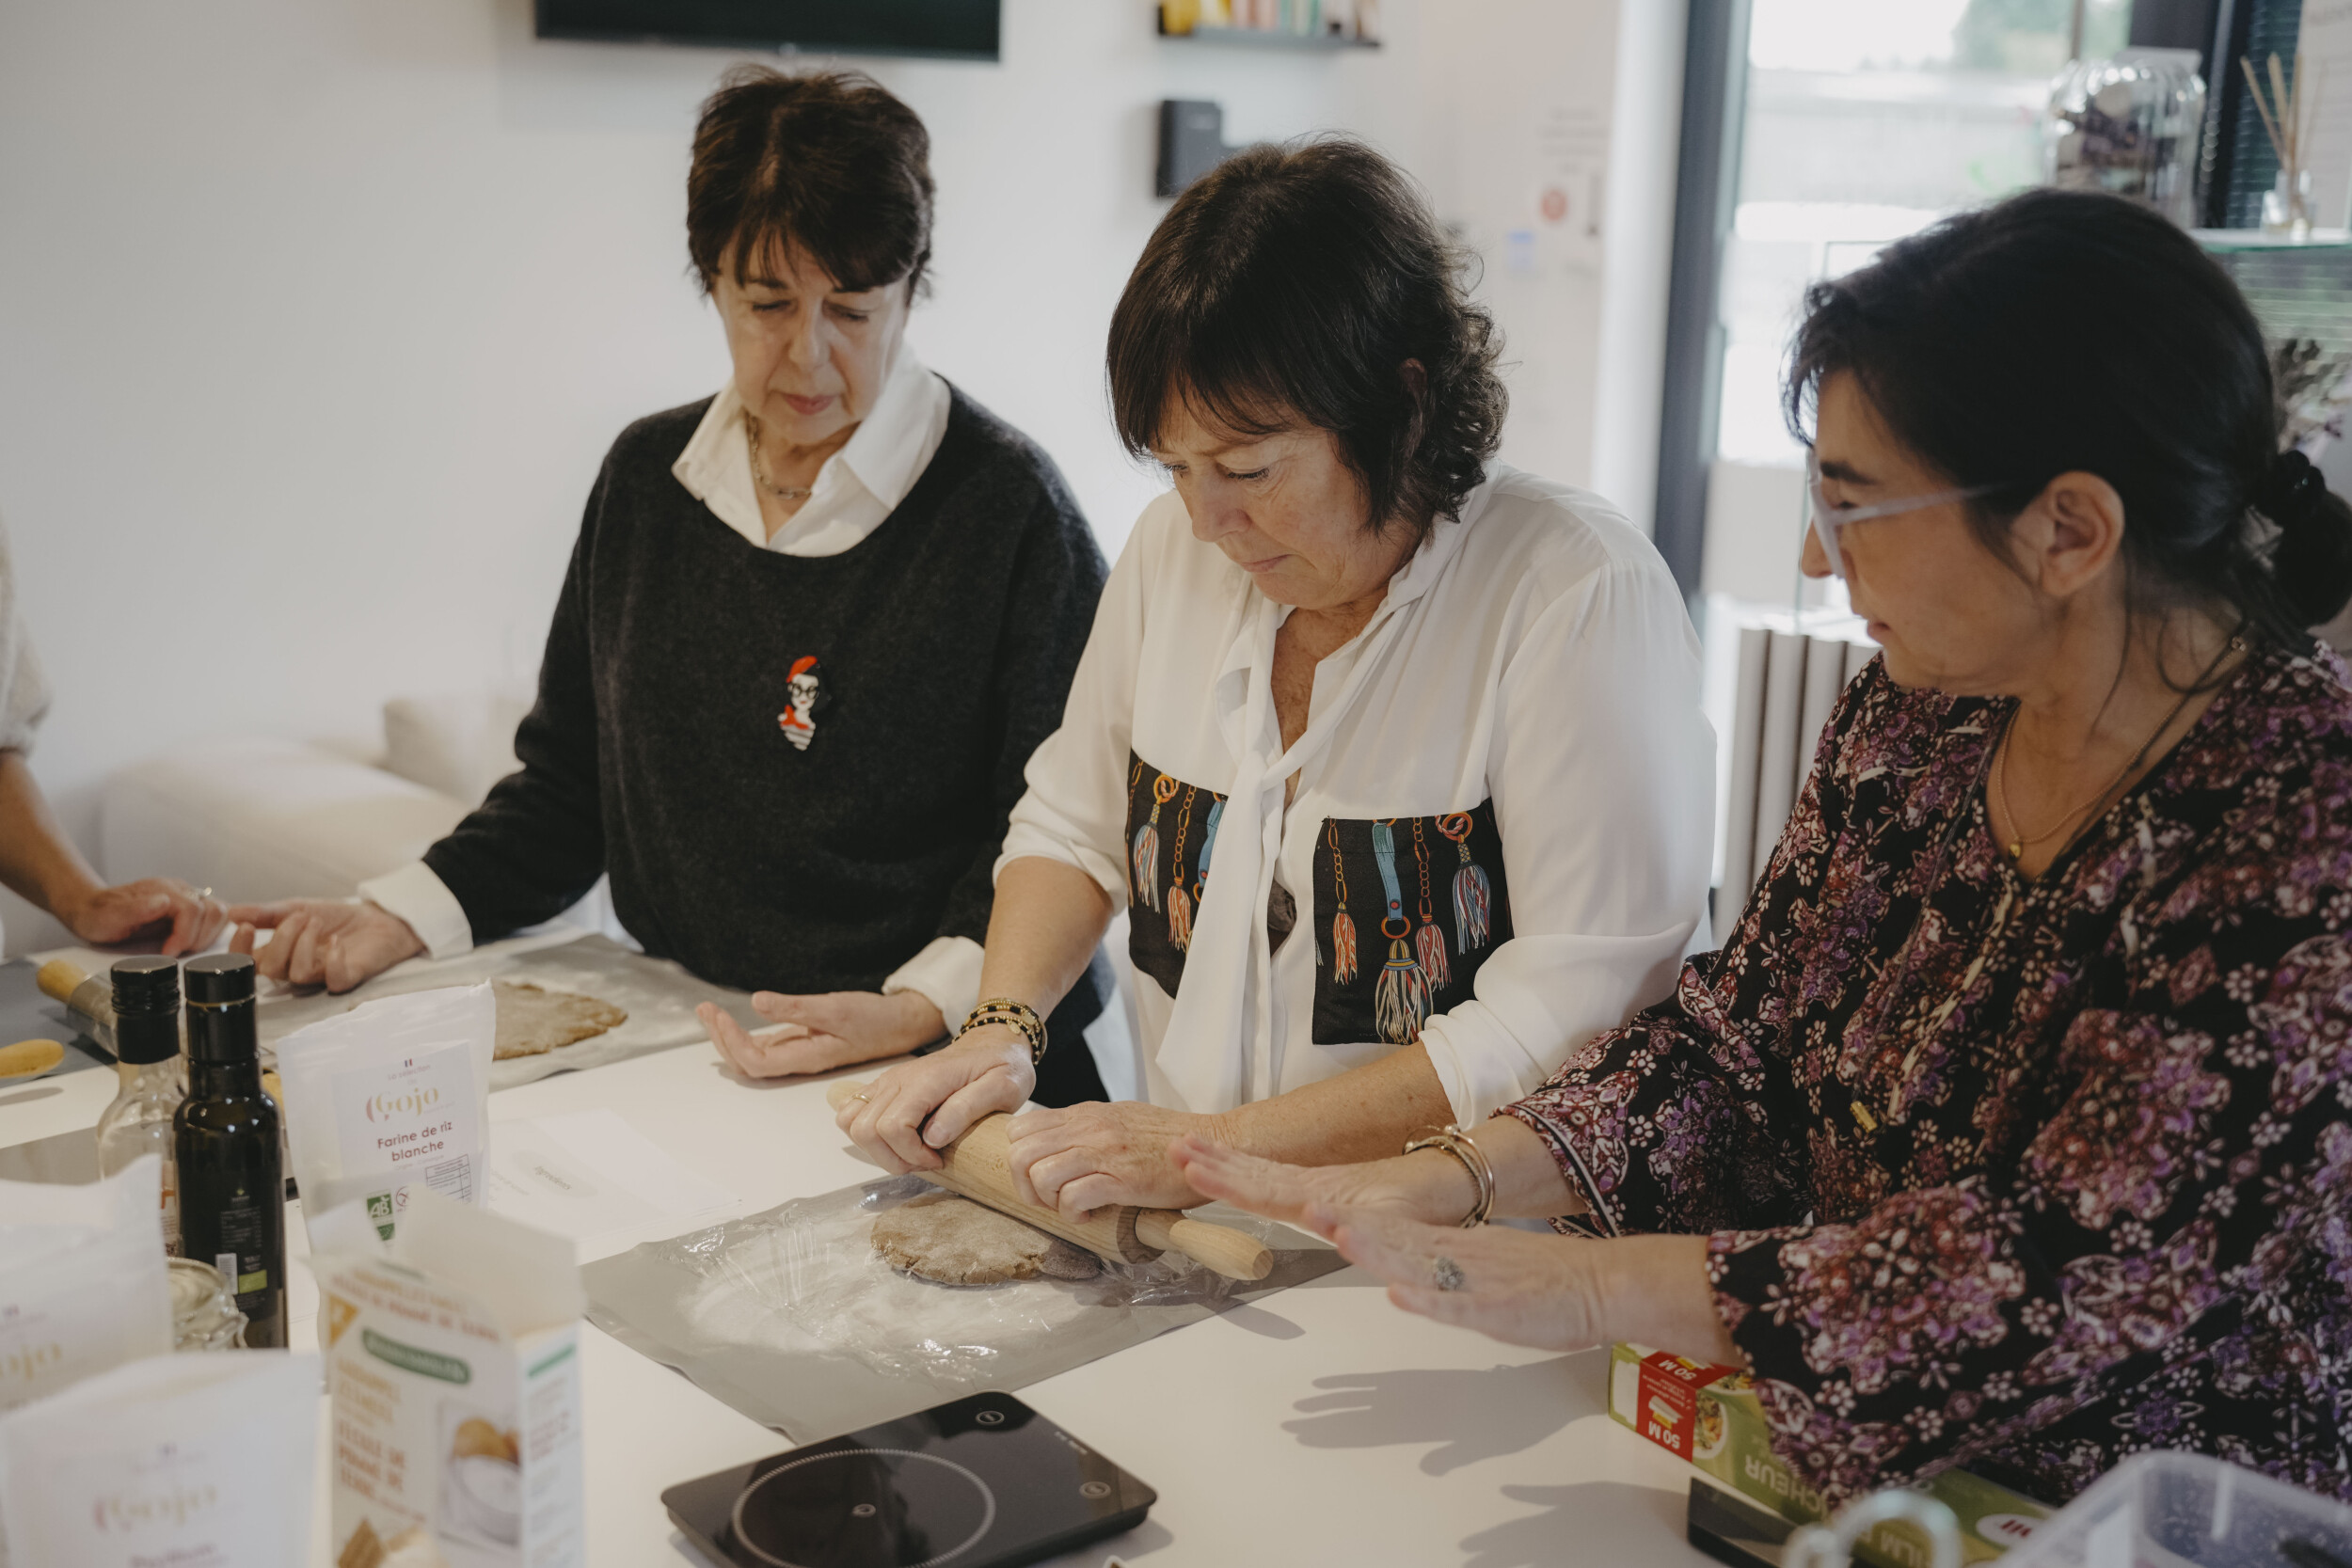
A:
x: 978, y: 1165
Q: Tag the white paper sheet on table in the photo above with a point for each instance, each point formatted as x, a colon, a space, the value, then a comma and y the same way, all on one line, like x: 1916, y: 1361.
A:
x: 591, y: 1176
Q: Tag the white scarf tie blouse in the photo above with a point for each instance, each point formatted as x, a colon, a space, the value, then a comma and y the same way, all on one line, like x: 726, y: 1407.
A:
x: 1501, y: 838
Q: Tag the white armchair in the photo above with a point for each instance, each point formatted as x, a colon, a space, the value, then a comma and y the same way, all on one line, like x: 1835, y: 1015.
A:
x: 256, y: 819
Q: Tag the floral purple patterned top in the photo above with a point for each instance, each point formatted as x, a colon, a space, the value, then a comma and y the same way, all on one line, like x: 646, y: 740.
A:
x: 2021, y: 1174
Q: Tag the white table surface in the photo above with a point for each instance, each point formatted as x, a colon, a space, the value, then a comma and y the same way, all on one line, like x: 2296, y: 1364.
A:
x: 1319, y: 1426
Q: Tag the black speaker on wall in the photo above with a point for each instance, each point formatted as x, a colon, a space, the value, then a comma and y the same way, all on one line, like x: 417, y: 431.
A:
x: 942, y: 29
x: 1192, y: 142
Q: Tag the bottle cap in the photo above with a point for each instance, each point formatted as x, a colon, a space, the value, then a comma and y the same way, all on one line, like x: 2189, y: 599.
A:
x: 221, y: 1026
x: 146, y: 984
x: 218, y: 979
x: 147, y: 1010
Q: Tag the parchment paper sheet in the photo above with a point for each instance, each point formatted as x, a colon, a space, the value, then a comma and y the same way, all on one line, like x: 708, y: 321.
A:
x: 790, y: 1317
x: 657, y: 995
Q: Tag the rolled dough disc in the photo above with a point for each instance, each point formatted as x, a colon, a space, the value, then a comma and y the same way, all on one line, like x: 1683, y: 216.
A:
x: 532, y: 1019
x: 953, y: 1241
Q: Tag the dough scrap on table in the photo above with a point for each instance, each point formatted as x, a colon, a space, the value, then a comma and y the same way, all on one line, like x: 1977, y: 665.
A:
x: 953, y: 1241
x: 532, y: 1019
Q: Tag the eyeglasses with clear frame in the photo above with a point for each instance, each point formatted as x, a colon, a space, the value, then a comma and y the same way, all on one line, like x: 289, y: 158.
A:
x: 1829, y: 521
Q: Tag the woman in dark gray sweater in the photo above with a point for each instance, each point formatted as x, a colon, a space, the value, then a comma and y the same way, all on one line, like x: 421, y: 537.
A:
x: 812, y: 629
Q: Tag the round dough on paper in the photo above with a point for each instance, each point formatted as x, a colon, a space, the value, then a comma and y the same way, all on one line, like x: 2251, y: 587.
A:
x: 953, y: 1241
x: 532, y: 1019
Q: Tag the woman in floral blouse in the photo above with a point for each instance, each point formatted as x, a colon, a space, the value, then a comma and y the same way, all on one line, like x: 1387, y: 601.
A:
x: 2009, y: 1127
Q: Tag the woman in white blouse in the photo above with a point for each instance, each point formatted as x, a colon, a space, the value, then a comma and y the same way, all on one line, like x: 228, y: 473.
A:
x: 1393, y: 754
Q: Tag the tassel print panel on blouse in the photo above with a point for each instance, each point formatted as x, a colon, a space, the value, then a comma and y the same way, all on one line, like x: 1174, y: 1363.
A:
x: 1406, y: 909
x: 1171, y: 834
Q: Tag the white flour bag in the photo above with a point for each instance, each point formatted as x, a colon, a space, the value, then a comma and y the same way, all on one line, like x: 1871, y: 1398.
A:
x: 390, y: 1096
x: 83, y: 1281
x: 190, y: 1460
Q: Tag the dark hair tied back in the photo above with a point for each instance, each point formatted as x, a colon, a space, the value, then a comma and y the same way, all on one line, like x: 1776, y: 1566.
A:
x: 2069, y: 331
x: 2294, y: 494
x: 2314, y: 543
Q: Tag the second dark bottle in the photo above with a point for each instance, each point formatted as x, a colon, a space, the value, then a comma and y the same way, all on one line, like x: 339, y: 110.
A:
x: 233, y: 1187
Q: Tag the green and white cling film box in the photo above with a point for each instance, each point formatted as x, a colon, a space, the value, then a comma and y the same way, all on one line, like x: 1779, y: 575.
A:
x: 1709, y: 1417
x: 452, y: 1368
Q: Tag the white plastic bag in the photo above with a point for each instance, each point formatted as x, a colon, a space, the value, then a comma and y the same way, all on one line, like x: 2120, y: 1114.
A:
x: 391, y: 1096
x: 83, y: 1280
x: 201, y: 1460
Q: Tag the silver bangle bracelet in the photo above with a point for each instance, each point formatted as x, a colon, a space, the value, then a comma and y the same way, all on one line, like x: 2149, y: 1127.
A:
x: 1463, y: 1147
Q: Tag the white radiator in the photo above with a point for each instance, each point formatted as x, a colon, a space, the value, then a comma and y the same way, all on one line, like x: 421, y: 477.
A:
x: 1785, y: 676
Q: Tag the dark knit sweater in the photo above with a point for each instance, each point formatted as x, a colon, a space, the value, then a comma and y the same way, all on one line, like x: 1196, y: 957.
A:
x: 944, y: 641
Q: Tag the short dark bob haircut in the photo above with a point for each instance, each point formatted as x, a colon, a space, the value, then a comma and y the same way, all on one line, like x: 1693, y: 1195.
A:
x: 828, y: 165
x: 1288, y: 287
x: 2066, y: 331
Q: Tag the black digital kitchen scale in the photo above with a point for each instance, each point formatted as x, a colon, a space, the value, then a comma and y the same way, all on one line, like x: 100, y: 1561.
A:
x: 984, y: 1482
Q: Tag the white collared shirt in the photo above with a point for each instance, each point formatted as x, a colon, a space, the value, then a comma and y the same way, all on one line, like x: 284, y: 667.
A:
x: 856, y: 489
x: 1535, y: 653
x: 24, y: 688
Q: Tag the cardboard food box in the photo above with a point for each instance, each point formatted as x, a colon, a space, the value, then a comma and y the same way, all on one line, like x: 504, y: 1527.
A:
x: 453, y: 1367
x: 1709, y: 1417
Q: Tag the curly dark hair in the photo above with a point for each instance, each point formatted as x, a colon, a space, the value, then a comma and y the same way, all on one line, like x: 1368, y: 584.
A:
x: 1292, y: 285
x: 828, y: 163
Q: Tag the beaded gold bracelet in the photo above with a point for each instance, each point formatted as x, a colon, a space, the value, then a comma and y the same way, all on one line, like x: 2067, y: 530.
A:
x: 1019, y: 1015
x: 1459, y: 1144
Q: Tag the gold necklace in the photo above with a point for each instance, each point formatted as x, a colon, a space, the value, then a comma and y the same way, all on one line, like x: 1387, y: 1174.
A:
x: 782, y: 492
x: 2018, y: 846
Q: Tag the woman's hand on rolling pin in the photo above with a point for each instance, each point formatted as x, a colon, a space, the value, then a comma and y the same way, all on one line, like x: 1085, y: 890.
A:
x: 326, y: 942
x: 918, y: 1107
x: 817, y: 1034
x: 163, y: 911
x: 1524, y: 1289
x: 1553, y: 1292
x: 1430, y: 1186
x: 1084, y: 1156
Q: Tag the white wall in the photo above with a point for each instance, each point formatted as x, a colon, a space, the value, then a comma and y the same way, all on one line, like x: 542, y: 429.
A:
x: 317, y: 315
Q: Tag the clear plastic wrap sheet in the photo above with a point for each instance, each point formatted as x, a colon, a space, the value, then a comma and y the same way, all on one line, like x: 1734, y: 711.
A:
x: 792, y: 1318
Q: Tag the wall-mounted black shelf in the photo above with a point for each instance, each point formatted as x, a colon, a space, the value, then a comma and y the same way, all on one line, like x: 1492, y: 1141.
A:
x: 1266, y: 38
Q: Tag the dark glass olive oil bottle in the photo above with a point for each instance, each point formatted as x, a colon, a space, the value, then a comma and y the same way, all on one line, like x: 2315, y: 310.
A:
x: 233, y: 1183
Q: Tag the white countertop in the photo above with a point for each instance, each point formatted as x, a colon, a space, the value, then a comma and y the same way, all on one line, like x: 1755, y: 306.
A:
x: 1319, y: 1426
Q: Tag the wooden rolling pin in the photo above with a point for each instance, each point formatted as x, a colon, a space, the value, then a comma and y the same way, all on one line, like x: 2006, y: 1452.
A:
x: 978, y: 1165
x: 90, y: 999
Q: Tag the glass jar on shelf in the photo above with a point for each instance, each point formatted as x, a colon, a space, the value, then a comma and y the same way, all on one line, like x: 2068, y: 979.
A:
x: 2129, y: 125
x: 2287, y: 206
